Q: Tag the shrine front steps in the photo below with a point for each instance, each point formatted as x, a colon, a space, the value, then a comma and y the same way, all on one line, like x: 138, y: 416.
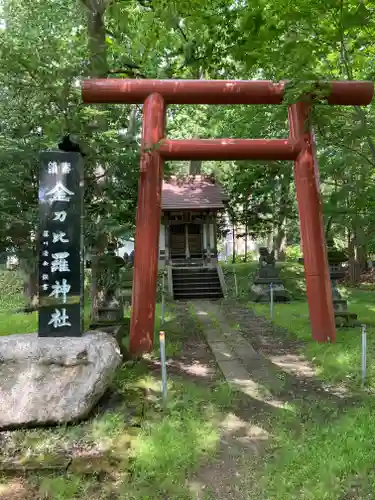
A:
x: 196, y: 283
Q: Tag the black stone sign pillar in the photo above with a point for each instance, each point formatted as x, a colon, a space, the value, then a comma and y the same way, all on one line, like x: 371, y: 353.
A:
x: 61, y: 276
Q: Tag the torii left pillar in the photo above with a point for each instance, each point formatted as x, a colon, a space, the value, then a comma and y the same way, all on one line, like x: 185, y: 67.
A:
x: 147, y: 226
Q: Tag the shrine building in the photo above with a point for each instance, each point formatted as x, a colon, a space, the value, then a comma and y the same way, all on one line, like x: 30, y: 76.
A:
x: 188, y: 237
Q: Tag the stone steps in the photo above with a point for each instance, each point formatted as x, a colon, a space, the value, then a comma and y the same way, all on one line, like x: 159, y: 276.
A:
x: 196, y: 283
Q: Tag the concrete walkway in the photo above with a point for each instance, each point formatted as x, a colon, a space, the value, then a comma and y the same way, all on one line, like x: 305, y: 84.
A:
x: 243, y: 367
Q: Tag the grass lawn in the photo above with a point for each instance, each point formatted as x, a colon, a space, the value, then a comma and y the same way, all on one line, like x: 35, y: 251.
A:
x: 319, y: 450
x: 156, y: 448
x: 332, y: 457
x: 341, y: 361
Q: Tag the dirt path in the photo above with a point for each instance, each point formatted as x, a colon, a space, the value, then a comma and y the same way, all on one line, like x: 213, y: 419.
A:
x: 278, y: 376
x: 277, y: 346
x: 244, y: 433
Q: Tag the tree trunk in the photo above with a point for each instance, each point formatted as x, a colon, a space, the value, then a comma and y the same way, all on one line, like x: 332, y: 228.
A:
x: 328, y: 227
x: 29, y: 269
x: 354, y: 266
x: 270, y: 240
x: 284, y: 207
x: 98, y: 69
x: 97, y: 33
x: 362, y: 252
x: 280, y: 243
x: 195, y: 167
x: 234, y: 244
x: 97, y: 291
x: 245, y: 259
x: 94, y: 289
x: 357, y: 252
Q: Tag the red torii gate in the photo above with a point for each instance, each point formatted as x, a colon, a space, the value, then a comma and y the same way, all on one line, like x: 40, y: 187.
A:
x: 156, y: 95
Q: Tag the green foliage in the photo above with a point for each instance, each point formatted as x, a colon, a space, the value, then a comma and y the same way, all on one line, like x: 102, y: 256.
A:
x: 63, y: 488
x: 293, y: 252
x: 47, y: 48
x: 250, y: 256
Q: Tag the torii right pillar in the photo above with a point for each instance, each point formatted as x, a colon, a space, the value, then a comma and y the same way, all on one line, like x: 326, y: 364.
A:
x: 306, y: 178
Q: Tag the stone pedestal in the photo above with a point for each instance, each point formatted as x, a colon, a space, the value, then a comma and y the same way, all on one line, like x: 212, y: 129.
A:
x: 110, y: 313
x: 127, y: 284
x: 343, y: 317
x: 268, y: 274
x: 111, y: 308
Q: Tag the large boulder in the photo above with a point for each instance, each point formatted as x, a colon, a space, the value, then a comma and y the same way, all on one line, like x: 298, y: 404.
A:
x: 54, y: 380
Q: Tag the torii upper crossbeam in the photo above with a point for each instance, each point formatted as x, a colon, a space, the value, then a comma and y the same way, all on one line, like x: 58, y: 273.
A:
x: 155, y: 95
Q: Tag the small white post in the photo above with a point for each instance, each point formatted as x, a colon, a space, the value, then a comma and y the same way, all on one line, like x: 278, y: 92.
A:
x: 163, y: 366
x: 364, y: 348
x: 271, y: 301
x: 235, y: 281
x: 187, y: 248
x: 162, y: 300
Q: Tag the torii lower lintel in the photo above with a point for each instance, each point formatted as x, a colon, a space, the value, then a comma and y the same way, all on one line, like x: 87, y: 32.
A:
x: 156, y: 94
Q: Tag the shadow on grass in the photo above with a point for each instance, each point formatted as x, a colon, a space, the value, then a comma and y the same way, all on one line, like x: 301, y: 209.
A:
x: 280, y: 365
x: 158, y: 448
x: 161, y: 448
x: 319, y: 432
x: 336, y: 363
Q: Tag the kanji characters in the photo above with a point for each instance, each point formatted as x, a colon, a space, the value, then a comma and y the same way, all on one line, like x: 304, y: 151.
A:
x: 62, y: 289
x: 53, y: 167
x: 60, y: 262
x: 59, y: 237
x: 65, y: 167
x: 59, y: 193
x: 59, y: 318
x: 60, y: 216
x: 59, y: 252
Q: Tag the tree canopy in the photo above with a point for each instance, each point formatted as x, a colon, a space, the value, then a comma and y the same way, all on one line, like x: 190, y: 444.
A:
x: 48, y: 48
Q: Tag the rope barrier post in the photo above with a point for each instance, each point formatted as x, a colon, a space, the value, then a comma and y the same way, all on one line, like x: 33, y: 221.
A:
x: 235, y: 282
x: 163, y: 301
x: 163, y: 366
x: 271, y: 302
x: 364, y: 354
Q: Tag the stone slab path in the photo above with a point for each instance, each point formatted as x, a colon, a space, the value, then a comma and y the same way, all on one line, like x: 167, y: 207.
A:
x: 269, y: 382
x: 242, y: 366
x: 244, y: 433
